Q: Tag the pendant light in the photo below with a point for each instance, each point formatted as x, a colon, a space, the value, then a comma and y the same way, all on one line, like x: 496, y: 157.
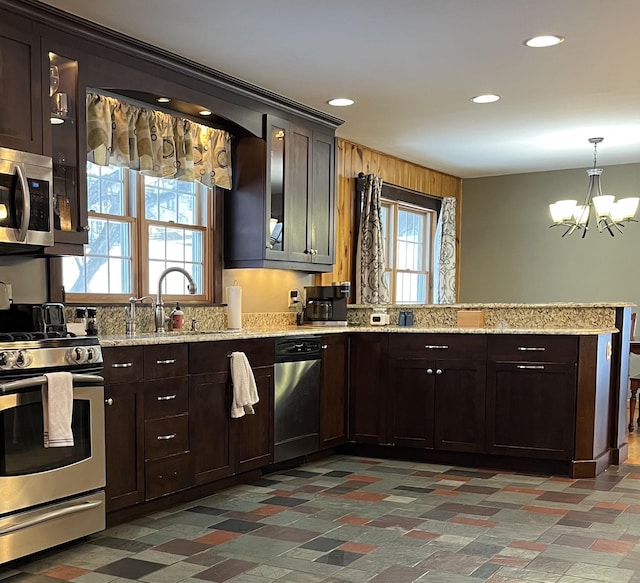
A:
x: 609, y: 215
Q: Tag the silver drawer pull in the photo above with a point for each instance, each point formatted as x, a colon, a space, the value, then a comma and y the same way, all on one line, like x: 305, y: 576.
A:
x: 531, y: 348
x: 166, y: 398
x: 531, y: 366
x: 164, y: 437
x: 168, y: 361
x: 437, y: 346
x: 122, y: 365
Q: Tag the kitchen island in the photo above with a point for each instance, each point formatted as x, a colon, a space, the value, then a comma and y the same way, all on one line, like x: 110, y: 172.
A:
x: 542, y: 399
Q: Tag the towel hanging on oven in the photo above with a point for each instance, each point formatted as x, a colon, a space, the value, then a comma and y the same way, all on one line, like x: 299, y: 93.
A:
x: 57, y: 409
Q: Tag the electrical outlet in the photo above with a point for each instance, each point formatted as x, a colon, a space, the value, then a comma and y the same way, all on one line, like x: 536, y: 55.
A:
x: 294, y: 298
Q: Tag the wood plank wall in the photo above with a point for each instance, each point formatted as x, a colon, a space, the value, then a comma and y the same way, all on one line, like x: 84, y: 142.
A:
x: 354, y: 158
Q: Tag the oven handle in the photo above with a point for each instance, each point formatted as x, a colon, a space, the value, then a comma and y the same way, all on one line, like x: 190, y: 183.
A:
x: 26, y: 206
x: 41, y: 380
x: 51, y: 515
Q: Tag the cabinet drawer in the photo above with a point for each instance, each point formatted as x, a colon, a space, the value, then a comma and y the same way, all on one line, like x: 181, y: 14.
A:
x: 164, y: 437
x: 206, y: 357
x: 438, y: 346
x: 168, y: 475
x: 534, y: 348
x: 166, y: 397
x: 165, y: 360
x: 122, y: 365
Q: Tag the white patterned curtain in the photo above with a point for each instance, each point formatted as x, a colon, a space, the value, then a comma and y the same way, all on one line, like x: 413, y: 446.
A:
x: 444, y: 284
x: 156, y: 143
x: 371, y: 285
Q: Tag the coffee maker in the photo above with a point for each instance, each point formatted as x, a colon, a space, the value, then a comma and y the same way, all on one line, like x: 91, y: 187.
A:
x: 326, y: 305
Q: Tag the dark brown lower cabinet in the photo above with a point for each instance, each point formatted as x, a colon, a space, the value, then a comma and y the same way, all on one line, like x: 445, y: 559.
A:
x: 459, y: 405
x: 252, y: 435
x: 333, y: 391
x: 531, y: 409
x: 209, y: 422
x: 411, y: 403
x: 368, y: 388
x: 437, y: 404
x: 124, y: 445
x: 124, y: 426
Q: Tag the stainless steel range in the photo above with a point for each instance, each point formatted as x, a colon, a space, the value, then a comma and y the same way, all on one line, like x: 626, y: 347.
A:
x: 48, y: 495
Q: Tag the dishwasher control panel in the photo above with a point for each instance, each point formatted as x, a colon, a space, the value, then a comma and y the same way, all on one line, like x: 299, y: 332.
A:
x: 307, y: 347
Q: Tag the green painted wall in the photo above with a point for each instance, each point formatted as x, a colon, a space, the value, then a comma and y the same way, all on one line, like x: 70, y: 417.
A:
x: 508, y: 253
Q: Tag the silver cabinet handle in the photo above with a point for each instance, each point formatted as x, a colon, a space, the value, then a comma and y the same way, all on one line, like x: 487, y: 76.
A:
x: 168, y: 361
x: 531, y: 348
x: 164, y: 437
x: 122, y: 365
x: 438, y: 371
x: 437, y: 346
x: 26, y: 206
x: 166, y: 398
x: 108, y: 401
x: 324, y: 346
x: 429, y: 371
x: 530, y: 366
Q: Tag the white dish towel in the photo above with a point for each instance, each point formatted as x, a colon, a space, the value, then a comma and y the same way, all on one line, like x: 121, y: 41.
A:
x: 57, y: 409
x: 245, y: 392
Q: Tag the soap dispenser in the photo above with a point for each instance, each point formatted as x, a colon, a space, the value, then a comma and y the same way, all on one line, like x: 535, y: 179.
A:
x: 176, y: 318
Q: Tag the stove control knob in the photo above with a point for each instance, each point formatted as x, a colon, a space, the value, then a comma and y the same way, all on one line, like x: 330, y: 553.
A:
x: 77, y: 355
x: 7, y: 359
x: 93, y: 354
x: 24, y: 358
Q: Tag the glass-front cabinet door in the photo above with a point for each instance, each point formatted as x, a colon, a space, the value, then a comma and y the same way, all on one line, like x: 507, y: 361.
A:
x: 276, y: 185
x: 288, y: 174
x: 65, y: 113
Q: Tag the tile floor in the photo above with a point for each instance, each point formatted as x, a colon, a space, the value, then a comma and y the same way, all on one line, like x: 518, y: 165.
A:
x: 351, y: 520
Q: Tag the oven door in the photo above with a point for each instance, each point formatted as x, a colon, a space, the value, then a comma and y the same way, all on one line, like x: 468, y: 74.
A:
x: 31, y: 474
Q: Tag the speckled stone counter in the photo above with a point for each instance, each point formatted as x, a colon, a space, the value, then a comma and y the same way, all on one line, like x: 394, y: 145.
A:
x: 275, y: 332
x: 567, y: 318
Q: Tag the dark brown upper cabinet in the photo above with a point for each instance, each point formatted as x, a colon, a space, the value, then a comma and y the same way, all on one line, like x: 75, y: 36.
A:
x: 20, y: 85
x: 281, y: 211
x: 64, y: 140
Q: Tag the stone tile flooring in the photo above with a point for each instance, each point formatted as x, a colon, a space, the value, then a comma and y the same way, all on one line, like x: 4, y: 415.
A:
x: 355, y: 520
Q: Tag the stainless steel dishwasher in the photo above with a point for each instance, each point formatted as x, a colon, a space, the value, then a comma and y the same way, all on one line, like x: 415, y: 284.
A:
x: 297, y: 397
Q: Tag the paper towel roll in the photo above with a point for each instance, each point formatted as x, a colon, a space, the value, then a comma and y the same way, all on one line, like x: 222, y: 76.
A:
x: 234, y: 307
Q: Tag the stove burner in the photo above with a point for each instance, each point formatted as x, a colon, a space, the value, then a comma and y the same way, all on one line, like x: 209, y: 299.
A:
x: 26, y: 336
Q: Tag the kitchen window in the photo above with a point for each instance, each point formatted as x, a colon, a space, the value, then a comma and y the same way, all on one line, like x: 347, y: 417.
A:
x: 408, y: 232
x: 138, y: 226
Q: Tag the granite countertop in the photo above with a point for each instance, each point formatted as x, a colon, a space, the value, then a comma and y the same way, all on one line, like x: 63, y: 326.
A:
x: 152, y: 338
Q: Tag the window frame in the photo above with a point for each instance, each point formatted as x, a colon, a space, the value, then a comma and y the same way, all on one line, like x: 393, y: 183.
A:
x: 134, y: 206
x: 395, y: 201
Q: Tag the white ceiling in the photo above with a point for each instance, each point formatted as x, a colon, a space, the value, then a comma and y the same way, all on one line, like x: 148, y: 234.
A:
x: 413, y: 65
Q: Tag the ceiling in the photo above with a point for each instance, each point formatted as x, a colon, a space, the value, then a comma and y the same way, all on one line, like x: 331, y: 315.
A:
x: 413, y: 65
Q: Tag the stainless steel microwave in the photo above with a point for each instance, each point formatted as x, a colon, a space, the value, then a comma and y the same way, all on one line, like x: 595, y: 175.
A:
x: 26, y: 201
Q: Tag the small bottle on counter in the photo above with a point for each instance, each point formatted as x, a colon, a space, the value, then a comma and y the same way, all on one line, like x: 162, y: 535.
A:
x: 177, y: 318
x: 92, y: 326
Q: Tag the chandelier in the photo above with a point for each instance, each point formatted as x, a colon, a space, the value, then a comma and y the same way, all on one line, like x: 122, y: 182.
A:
x: 609, y: 215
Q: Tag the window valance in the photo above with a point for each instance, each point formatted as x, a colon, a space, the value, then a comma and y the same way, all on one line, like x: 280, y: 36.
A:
x: 156, y: 143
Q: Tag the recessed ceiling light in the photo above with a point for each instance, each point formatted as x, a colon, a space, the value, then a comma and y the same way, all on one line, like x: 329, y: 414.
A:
x: 341, y: 101
x: 163, y: 99
x: 548, y: 40
x: 488, y: 98
x: 204, y: 112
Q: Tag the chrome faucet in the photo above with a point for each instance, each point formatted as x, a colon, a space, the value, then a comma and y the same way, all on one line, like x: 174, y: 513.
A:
x: 159, y: 310
x: 130, y: 329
